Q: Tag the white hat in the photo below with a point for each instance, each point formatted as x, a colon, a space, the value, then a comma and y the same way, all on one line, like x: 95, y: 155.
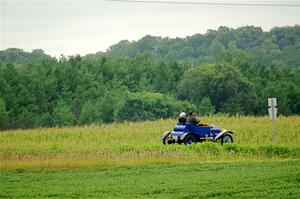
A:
x: 182, y: 114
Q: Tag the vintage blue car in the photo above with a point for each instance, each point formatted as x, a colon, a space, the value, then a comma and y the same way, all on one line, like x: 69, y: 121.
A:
x: 190, y: 133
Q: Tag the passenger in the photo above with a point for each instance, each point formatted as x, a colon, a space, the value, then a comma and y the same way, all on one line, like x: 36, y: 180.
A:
x: 193, y: 118
x: 182, y: 118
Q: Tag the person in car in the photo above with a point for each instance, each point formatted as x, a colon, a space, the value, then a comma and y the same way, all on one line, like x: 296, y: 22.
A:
x: 193, y: 119
x: 182, y: 118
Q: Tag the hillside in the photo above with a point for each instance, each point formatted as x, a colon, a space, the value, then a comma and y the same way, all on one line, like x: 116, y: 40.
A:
x: 280, y: 46
x: 115, y: 86
x: 21, y: 57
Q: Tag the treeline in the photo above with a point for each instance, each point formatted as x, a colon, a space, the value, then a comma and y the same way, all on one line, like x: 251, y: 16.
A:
x: 103, y: 88
x: 20, y: 57
x: 74, y: 90
x: 280, y: 46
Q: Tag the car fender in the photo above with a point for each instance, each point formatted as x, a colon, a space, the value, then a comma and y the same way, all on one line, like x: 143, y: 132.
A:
x: 222, y: 133
x: 184, y: 135
x: 166, y: 134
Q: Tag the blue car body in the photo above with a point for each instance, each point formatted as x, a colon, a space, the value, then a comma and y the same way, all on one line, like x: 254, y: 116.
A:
x: 198, y: 133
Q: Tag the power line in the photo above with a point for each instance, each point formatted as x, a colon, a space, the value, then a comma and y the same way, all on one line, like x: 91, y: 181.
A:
x: 208, y: 3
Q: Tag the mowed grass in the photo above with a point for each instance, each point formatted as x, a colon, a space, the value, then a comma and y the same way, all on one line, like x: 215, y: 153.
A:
x: 280, y: 179
x: 133, y: 144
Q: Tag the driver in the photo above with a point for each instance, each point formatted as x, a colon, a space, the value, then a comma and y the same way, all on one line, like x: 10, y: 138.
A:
x: 193, y: 118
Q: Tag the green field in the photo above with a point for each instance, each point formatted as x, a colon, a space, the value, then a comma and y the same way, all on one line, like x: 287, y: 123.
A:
x: 221, y: 180
x: 128, y: 160
x: 131, y: 144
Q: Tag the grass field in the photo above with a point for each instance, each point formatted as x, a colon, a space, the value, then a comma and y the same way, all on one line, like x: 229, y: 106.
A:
x: 138, y: 144
x: 220, y: 180
x: 129, y: 161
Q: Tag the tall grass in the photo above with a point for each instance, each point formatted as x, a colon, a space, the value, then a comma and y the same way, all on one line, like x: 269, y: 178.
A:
x: 138, y: 143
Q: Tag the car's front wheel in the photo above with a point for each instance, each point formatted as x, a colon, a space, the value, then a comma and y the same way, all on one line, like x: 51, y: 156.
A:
x: 166, y: 139
x: 226, y: 139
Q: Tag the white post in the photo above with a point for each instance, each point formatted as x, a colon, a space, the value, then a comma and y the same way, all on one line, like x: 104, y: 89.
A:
x: 274, y: 132
x: 273, y: 114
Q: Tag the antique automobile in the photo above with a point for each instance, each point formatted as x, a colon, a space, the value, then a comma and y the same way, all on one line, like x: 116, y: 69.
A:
x: 190, y: 133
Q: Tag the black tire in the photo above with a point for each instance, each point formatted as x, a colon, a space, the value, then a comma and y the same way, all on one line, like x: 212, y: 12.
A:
x: 190, y: 139
x: 226, y: 139
x: 165, y: 140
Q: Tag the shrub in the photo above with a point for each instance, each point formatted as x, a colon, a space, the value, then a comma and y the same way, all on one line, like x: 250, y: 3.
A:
x: 149, y: 106
x: 205, y: 147
x: 278, y: 150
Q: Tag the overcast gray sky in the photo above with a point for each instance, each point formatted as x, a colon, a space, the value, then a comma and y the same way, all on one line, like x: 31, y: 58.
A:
x: 81, y: 27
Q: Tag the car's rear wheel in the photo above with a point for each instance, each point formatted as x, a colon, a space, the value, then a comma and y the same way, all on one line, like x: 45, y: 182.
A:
x: 226, y: 139
x: 190, y: 139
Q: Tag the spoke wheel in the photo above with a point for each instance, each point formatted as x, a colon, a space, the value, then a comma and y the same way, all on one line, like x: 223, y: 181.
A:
x: 226, y: 139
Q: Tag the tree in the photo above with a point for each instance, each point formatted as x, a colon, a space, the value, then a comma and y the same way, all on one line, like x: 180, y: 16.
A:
x: 90, y: 113
x: 206, y: 107
x: 215, y: 49
x: 248, y: 37
x: 62, y: 114
x: 232, y: 107
x: 149, y: 106
x: 4, y: 115
x: 218, y: 82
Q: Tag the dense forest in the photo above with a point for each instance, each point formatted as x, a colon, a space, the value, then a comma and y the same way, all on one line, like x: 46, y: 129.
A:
x: 230, y: 71
x: 280, y: 46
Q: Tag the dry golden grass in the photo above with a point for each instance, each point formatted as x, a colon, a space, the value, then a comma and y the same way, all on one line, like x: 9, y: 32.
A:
x: 128, y: 144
